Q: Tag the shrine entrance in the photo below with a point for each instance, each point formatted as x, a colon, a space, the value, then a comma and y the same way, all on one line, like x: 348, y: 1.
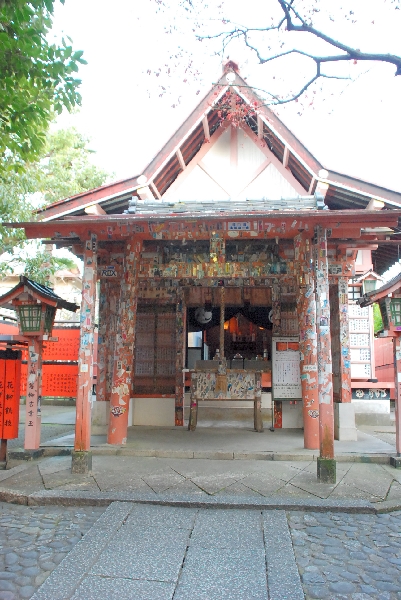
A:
x: 158, y: 273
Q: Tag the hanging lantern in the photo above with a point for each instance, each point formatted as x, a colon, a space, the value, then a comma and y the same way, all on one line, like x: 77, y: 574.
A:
x: 35, y: 318
x: 29, y: 317
x: 36, y: 307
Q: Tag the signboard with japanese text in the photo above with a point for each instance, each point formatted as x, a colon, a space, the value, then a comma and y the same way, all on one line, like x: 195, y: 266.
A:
x: 60, y: 380
x: 10, y: 377
x: 286, y: 375
x: 57, y: 380
x: 66, y: 348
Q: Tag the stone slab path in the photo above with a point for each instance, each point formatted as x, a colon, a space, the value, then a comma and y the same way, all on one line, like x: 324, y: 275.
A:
x: 147, y: 552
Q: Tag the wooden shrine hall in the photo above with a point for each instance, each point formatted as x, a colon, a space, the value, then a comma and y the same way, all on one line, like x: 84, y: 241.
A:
x: 236, y: 233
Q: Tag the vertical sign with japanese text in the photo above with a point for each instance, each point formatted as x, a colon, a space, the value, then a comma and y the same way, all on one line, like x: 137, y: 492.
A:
x: 10, y: 379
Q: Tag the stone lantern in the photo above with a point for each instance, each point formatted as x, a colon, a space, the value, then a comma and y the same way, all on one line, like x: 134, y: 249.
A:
x: 390, y: 309
x: 388, y: 296
x: 36, y: 307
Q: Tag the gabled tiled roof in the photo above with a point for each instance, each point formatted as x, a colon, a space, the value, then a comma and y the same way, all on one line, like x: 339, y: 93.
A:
x: 388, y: 288
x: 39, y: 291
x: 343, y: 191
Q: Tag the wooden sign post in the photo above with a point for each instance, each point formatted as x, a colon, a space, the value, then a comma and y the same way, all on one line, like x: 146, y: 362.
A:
x: 10, y: 377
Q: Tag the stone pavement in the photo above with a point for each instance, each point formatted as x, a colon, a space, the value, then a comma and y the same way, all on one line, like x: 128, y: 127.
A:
x: 150, y: 552
x: 361, y: 487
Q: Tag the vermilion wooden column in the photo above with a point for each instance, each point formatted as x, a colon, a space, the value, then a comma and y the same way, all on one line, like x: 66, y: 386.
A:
x: 81, y: 457
x: 397, y: 374
x: 307, y: 340
x: 33, y: 395
x: 113, y: 300
x: 103, y: 341
x: 124, y: 348
x: 345, y: 354
x: 276, y: 308
x: 181, y: 328
x: 277, y: 412
x: 326, y: 466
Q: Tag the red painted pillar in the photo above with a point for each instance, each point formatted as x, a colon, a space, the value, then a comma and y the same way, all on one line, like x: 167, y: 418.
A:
x: 307, y: 341
x: 33, y: 395
x: 326, y: 463
x: 180, y: 333
x: 81, y: 463
x: 397, y: 380
x: 276, y: 308
x: 113, y: 301
x: 345, y: 353
x: 103, y: 341
x: 277, y: 407
x: 124, y: 348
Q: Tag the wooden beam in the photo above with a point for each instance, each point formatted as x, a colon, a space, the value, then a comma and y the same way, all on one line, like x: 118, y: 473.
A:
x: 94, y: 209
x: 260, y: 128
x: 375, y: 204
x: 275, y: 161
x: 195, y: 161
x: 286, y: 156
x: 206, y: 129
x: 233, y: 146
x: 321, y: 190
x: 360, y: 246
x: 145, y: 193
x: 180, y: 159
x: 155, y: 190
x: 312, y: 183
x: 373, y: 242
x: 184, y: 131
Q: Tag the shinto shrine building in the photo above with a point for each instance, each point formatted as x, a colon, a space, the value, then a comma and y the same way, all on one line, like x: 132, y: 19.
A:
x: 231, y: 264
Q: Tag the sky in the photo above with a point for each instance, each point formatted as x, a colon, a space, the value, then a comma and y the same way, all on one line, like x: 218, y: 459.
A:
x: 353, y: 128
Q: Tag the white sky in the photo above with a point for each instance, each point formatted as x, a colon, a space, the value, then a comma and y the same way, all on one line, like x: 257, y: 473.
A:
x: 355, y: 131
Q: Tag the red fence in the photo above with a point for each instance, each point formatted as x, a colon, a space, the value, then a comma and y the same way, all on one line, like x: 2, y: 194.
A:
x: 60, y: 367
x: 384, y: 359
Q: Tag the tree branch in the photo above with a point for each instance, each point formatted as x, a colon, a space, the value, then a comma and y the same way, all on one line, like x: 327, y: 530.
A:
x: 351, y: 53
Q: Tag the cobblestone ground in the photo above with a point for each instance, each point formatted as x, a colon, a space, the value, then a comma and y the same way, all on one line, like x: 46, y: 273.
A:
x: 348, y: 557
x: 339, y: 556
x: 34, y: 540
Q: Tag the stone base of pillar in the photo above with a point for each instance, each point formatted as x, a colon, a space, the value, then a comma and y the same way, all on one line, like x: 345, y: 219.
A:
x: 326, y: 470
x: 25, y: 454
x: 81, y: 462
x: 395, y: 461
x: 344, y: 422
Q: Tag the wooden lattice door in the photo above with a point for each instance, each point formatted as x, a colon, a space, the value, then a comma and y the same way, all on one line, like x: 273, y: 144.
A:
x: 155, y: 350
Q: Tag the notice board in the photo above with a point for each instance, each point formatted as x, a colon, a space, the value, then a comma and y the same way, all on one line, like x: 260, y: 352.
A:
x: 10, y: 376
x: 286, y: 373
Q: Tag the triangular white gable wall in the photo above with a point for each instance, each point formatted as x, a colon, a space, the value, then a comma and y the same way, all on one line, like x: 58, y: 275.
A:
x: 236, y: 168
x: 198, y: 186
x: 269, y: 184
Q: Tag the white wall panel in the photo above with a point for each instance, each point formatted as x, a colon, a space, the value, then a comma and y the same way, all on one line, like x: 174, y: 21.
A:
x: 197, y: 186
x: 270, y: 184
